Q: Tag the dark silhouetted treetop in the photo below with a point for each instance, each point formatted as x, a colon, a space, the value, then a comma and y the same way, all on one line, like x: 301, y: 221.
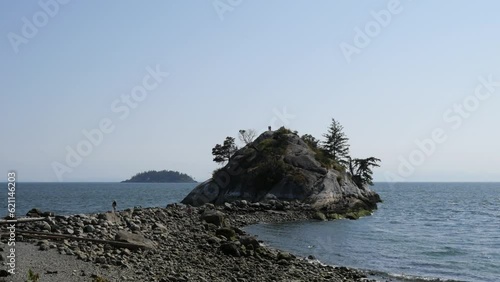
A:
x: 164, y: 176
x: 223, y: 153
x: 361, y: 169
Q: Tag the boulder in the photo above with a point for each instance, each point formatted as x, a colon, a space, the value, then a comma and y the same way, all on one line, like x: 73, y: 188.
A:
x: 230, y: 248
x: 319, y: 216
x: 250, y: 242
x: 229, y: 233
x: 215, y: 217
x: 34, y: 213
x: 136, y: 239
x: 160, y: 227
x: 110, y: 217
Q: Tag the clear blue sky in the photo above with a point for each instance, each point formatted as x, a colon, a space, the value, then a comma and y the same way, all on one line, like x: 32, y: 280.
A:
x: 235, y: 70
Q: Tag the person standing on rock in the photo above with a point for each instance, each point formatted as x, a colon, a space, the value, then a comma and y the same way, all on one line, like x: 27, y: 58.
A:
x: 114, y: 206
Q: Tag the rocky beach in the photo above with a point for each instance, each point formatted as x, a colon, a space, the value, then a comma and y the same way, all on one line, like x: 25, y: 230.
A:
x: 176, y: 243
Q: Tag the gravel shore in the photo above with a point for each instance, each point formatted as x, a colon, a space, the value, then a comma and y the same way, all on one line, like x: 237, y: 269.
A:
x: 176, y: 243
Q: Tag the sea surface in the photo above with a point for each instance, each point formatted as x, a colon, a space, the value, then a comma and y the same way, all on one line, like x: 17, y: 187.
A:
x: 421, y: 232
x: 75, y: 198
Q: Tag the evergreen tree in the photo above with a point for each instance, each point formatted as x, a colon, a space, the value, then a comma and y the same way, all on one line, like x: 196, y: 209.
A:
x: 336, y: 142
x: 223, y: 153
x: 361, y: 170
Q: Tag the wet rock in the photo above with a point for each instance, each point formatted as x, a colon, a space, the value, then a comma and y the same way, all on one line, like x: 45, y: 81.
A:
x: 319, y: 216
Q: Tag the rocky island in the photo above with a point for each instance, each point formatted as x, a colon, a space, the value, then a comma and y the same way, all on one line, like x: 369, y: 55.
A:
x: 280, y: 165
x: 164, y: 176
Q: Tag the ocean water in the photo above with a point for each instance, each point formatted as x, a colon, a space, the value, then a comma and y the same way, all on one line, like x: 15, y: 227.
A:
x: 74, y: 198
x: 421, y: 232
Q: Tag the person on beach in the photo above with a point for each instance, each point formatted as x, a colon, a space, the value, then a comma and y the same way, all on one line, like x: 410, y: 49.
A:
x: 114, y: 206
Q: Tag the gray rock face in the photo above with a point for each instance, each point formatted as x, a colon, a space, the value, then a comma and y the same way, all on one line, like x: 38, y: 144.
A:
x: 280, y: 165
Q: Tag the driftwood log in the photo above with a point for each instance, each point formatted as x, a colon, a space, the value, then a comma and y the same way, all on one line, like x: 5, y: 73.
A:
x: 22, y: 220
x: 53, y: 236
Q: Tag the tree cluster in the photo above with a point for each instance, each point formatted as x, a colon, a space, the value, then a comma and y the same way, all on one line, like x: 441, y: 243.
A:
x: 335, y: 150
x: 164, y: 176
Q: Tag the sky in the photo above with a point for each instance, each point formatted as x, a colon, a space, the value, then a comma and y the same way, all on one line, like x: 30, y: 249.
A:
x: 101, y: 90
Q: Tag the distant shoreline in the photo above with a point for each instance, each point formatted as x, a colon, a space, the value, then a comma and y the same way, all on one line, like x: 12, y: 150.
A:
x: 163, y: 176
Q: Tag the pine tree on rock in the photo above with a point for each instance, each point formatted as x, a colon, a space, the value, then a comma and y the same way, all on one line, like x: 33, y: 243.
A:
x: 223, y: 153
x: 336, y: 142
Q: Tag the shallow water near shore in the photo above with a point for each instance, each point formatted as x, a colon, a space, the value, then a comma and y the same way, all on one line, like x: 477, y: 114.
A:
x: 422, y: 232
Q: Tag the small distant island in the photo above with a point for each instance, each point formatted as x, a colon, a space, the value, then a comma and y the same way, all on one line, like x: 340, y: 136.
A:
x: 164, y: 176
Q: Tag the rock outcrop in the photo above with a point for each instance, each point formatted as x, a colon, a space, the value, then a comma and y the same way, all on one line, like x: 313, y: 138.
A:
x: 279, y: 165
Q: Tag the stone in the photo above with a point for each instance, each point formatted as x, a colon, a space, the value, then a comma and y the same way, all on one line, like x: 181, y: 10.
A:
x: 45, y: 226
x: 159, y: 226
x: 110, y: 217
x: 250, y: 242
x: 215, y: 217
x: 319, y: 216
x: 134, y: 227
x: 136, y: 239
x: 101, y: 260
x: 34, y: 213
x: 226, y: 232
x: 47, y: 214
x: 214, y: 240
x: 231, y: 249
x: 89, y: 229
x: 284, y: 256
